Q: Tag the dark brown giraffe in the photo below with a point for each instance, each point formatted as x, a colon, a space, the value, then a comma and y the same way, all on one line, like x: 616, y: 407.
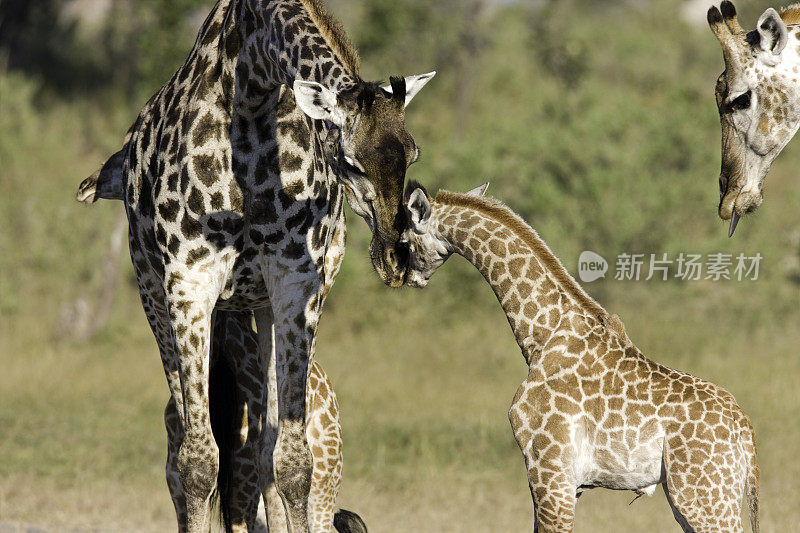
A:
x: 233, y: 205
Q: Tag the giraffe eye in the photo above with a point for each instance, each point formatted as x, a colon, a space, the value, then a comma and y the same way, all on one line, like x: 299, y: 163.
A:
x: 353, y: 165
x: 741, y: 102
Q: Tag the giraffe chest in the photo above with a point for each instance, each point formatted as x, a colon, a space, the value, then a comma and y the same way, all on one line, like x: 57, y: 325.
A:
x: 245, y: 285
x: 619, y: 439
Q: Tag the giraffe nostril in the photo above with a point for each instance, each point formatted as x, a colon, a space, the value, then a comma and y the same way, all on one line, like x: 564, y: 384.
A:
x: 400, y: 254
x: 397, y: 257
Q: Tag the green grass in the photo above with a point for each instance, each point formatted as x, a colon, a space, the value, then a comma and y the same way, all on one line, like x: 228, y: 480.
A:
x: 427, y: 443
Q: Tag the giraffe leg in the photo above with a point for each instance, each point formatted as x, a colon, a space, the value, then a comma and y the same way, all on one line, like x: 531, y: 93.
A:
x: 233, y: 339
x: 676, y: 512
x: 324, y: 435
x: 153, y: 300
x: 275, y: 513
x: 704, y: 485
x: 552, y: 488
x: 172, y: 423
x: 272, y: 504
x: 323, y: 432
x: 181, y: 327
x: 190, y: 304
x: 524, y: 419
x: 295, y: 306
x: 553, y: 500
x: 242, y: 353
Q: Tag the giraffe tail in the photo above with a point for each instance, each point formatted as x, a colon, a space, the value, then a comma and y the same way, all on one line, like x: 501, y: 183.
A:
x: 751, y: 490
x: 348, y: 522
x: 87, y: 190
x: 223, y: 404
x: 107, y: 182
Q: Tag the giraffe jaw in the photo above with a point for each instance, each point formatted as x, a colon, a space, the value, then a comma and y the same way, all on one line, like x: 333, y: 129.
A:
x: 416, y: 280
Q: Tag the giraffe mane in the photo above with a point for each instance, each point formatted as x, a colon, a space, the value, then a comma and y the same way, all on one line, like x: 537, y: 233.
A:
x: 498, y: 212
x: 333, y: 33
x: 791, y: 14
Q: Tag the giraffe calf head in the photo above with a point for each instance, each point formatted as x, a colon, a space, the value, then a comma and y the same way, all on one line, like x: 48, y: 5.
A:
x: 428, y: 248
x: 758, y: 99
x: 374, y: 151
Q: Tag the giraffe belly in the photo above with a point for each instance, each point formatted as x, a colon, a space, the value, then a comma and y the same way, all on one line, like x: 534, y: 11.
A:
x: 620, y: 465
x: 243, y: 302
x: 244, y: 286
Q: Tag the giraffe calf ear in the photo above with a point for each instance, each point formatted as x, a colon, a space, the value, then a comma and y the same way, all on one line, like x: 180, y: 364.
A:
x: 772, y: 32
x: 479, y: 191
x: 317, y: 101
x: 419, y: 211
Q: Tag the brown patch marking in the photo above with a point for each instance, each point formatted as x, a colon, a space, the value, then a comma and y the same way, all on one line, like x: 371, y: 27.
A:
x: 791, y: 14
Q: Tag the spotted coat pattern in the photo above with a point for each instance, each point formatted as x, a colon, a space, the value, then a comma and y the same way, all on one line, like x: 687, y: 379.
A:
x: 233, y: 206
x: 593, y: 411
x: 237, y: 343
x: 323, y: 432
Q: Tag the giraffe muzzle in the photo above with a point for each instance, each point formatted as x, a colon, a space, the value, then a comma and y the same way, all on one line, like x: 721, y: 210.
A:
x: 390, y: 262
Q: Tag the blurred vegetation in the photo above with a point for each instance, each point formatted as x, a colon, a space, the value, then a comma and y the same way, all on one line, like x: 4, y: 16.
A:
x: 132, y: 50
x: 595, y: 120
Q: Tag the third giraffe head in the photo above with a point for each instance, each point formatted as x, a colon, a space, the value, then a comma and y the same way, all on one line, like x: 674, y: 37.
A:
x: 758, y: 97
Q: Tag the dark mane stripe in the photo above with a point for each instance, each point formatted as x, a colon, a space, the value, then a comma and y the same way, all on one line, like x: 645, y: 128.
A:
x: 333, y: 33
x: 505, y: 216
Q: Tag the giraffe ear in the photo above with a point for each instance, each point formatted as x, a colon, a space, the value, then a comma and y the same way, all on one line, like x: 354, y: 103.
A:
x: 419, y: 211
x: 317, y: 101
x: 479, y: 191
x: 413, y: 85
x: 772, y: 32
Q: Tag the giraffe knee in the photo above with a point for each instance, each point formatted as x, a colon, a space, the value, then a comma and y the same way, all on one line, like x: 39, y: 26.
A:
x: 198, y: 465
x: 293, y: 464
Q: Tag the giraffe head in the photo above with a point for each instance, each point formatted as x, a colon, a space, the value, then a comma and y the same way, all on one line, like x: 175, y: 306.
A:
x: 374, y: 150
x: 758, y: 97
x: 428, y: 249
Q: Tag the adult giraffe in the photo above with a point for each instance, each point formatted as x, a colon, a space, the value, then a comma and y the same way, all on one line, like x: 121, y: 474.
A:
x: 232, y: 205
x: 240, y: 383
x: 758, y: 97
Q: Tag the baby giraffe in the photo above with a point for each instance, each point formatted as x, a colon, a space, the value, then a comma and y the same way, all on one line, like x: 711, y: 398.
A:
x: 593, y: 411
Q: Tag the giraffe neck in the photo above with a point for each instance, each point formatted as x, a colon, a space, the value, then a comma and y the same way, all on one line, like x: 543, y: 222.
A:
x: 248, y: 48
x: 284, y: 40
x: 538, y: 295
